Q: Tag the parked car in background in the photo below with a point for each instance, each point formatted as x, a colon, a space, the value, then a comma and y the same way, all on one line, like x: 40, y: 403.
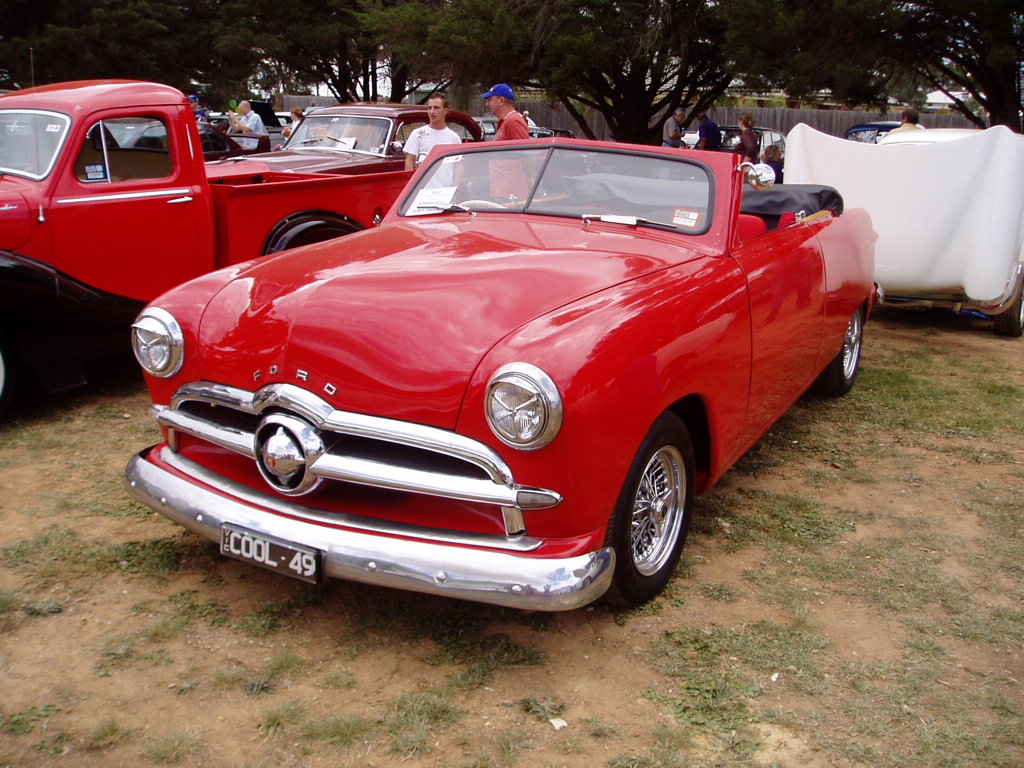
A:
x: 217, y: 145
x: 273, y: 121
x: 920, y: 135
x: 511, y: 390
x: 270, y: 120
x: 153, y: 135
x: 489, y: 125
x: 946, y: 204
x: 870, y: 133
x: 219, y: 120
x: 357, y: 138
x: 766, y: 137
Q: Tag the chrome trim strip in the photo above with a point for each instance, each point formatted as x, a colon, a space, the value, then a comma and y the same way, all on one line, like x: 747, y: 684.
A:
x: 377, y: 475
x: 435, y: 567
x: 500, y: 489
x: 236, y: 440
x: 128, y: 195
x: 1001, y: 304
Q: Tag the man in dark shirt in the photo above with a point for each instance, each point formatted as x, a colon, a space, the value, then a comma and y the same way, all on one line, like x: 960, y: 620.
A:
x: 708, y: 134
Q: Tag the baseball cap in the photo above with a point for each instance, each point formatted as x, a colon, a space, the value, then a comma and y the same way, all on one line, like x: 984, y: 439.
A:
x: 193, y: 97
x: 500, y: 89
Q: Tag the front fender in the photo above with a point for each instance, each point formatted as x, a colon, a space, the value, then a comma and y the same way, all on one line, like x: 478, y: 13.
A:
x: 620, y: 358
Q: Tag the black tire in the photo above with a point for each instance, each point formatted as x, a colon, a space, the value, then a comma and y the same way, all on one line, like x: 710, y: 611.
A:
x: 8, y: 374
x: 838, y: 378
x: 652, y: 515
x: 1011, y: 322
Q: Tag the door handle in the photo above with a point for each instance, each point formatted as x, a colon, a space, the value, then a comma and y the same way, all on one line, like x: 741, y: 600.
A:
x: 185, y: 199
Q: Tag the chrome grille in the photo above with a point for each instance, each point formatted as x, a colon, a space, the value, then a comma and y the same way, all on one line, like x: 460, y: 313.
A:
x: 356, y: 448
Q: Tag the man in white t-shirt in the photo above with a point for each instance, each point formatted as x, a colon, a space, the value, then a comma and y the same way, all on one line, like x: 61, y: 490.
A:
x: 428, y: 136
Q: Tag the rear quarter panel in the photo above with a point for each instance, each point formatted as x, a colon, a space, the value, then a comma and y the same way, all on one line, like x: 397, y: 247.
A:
x: 848, y: 247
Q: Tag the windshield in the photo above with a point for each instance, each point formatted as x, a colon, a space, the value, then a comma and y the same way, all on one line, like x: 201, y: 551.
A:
x: 624, y: 187
x: 344, y: 132
x: 30, y: 141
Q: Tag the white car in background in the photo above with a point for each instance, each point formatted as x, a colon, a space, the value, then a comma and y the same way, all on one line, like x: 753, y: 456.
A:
x: 948, y: 207
x: 922, y: 136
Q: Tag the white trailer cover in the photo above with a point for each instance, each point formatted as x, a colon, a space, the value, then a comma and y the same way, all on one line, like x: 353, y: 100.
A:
x: 949, y: 214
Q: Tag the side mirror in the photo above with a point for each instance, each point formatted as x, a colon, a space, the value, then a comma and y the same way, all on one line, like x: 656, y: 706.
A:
x: 760, y: 176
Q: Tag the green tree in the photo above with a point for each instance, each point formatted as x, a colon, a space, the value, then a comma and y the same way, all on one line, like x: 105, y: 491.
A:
x: 632, y: 61
x: 162, y: 40
x: 865, y: 50
x: 318, y: 41
x: 975, y: 46
x: 806, y: 46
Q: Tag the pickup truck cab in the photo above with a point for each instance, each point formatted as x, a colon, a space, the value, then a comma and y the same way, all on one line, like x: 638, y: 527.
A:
x: 106, y: 202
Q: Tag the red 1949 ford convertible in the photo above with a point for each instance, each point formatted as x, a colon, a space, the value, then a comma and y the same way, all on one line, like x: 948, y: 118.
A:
x: 511, y: 391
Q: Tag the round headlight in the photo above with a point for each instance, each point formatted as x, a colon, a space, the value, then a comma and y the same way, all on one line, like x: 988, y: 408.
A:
x: 524, y: 408
x: 158, y: 342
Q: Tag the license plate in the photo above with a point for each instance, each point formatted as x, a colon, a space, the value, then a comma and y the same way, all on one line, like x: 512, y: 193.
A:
x: 285, y: 557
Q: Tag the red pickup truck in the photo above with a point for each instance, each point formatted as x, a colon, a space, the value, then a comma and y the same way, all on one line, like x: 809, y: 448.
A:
x: 106, y: 202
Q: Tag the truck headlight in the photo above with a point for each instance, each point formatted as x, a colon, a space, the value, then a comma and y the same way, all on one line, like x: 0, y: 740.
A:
x: 158, y: 342
x: 524, y: 408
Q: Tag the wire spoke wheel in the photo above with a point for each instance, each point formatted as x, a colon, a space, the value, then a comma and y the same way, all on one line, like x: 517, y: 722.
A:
x: 838, y: 377
x: 852, y: 346
x: 657, y: 510
x: 648, y: 527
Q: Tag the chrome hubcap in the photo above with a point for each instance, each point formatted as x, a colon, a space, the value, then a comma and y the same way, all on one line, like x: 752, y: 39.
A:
x: 658, y: 510
x: 851, y: 346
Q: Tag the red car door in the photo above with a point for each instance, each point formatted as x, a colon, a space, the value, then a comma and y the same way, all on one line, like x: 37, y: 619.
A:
x: 129, y: 216
x: 785, y: 274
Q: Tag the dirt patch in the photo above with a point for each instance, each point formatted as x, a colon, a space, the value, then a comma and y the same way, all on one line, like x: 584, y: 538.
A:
x: 216, y: 663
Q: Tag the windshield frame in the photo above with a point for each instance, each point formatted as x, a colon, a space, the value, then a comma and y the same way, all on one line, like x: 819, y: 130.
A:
x: 65, y: 121
x: 310, y: 142
x: 430, y: 198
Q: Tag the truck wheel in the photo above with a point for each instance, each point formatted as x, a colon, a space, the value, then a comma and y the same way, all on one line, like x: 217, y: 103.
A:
x: 837, y: 379
x: 652, y: 515
x: 308, y: 228
x: 1011, y: 322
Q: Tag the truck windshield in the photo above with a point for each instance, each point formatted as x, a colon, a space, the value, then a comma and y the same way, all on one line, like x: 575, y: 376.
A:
x: 343, y: 132
x: 30, y: 141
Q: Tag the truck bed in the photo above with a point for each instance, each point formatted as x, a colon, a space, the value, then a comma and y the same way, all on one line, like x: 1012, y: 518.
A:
x: 271, y: 197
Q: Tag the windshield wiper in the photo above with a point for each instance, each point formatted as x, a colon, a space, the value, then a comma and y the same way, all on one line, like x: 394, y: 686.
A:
x: 453, y: 208
x: 353, y: 150
x: 629, y: 221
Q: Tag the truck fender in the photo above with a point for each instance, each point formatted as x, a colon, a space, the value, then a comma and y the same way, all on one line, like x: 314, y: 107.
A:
x: 307, y: 227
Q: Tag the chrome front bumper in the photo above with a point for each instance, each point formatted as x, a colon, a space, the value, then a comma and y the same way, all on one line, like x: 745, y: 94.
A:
x: 509, y: 579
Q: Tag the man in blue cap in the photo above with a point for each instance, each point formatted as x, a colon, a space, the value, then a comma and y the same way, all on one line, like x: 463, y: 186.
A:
x: 202, y: 113
x: 511, y: 124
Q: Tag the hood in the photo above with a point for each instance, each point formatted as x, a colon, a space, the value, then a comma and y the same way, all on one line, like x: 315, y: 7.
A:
x: 394, y: 321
